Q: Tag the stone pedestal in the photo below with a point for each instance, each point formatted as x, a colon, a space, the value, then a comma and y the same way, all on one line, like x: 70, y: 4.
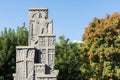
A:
x: 36, y: 61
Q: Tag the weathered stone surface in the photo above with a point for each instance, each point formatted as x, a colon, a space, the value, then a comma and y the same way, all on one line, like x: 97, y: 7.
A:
x: 24, y: 62
x: 36, y: 61
x: 39, y: 23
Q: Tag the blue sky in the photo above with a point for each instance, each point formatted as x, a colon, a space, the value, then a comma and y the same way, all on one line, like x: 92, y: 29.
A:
x: 70, y: 17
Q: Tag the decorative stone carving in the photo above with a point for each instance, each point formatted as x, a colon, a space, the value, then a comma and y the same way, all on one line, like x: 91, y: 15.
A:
x: 36, y: 61
x: 43, y: 22
x: 51, y: 41
x: 51, y: 55
x: 24, y: 58
x: 39, y: 22
x: 42, y: 56
x: 42, y: 41
x: 39, y: 68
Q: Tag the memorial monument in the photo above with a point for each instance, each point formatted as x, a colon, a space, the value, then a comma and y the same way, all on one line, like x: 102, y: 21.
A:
x: 36, y: 61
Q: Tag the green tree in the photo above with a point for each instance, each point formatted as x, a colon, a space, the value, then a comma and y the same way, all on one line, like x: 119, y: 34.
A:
x: 9, y: 39
x: 22, y: 36
x: 102, y: 43
x: 67, y: 59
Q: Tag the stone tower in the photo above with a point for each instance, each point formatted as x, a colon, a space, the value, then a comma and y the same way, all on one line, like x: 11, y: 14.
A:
x: 36, y: 61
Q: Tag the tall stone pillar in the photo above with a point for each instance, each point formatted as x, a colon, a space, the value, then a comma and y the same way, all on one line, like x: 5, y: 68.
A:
x: 41, y: 36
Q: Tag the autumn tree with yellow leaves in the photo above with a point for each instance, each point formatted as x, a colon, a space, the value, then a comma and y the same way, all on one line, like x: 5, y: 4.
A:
x: 102, y: 47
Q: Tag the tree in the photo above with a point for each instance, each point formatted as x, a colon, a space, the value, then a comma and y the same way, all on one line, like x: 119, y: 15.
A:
x: 67, y: 60
x: 22, y: 36
x: 102, y: 43
x: 9, y: 39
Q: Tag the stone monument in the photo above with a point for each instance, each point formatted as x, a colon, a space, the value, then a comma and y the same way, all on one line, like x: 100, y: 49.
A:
x: 36, y: 61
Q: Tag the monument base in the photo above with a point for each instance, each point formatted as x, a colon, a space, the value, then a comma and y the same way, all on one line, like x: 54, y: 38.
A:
x: 27, y: 69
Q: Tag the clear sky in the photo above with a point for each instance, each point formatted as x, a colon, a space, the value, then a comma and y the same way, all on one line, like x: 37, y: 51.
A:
x: 70, y: 17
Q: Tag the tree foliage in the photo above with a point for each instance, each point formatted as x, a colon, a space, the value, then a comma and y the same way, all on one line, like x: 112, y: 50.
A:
x: 102, y: 43
x: 67, y: 59
x: 9, y: 39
